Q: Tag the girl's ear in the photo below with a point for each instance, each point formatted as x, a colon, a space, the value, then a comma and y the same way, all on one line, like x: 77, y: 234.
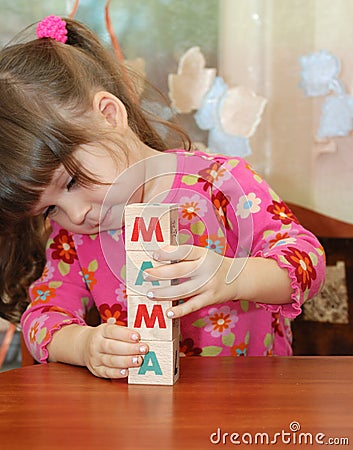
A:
x: 111, y: 109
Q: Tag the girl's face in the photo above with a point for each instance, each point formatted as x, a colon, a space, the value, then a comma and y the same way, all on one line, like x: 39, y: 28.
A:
x: 88, y: 210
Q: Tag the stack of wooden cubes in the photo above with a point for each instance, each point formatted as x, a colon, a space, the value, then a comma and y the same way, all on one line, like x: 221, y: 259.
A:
x: 149, y: 227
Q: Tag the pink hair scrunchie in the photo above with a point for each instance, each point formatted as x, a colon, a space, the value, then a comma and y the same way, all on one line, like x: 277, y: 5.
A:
x: 52, y: 27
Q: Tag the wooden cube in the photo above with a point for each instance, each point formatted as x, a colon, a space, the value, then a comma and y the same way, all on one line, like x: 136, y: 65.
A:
x: 149, y: 226
x: 149, y: 318
x: 160, y: 364
x: 136, y: 263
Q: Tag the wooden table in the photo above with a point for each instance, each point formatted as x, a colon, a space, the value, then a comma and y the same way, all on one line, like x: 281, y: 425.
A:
x: 56, y: 406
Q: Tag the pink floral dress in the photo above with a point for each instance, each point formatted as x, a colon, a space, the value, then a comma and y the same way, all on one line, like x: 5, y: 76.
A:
x: 224, y: 206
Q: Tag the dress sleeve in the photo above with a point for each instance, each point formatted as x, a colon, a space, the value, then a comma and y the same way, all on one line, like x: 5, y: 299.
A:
x: 272, y: 231
x: 60, y: 297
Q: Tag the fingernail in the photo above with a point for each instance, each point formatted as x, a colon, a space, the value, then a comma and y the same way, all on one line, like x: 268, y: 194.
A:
x: 143, y: 349
x: 123, y: 372
x: 170, y: 314
x: 144, y: 275
x: 135, y: 360
x: 150, y: 294
x: 134, y: 337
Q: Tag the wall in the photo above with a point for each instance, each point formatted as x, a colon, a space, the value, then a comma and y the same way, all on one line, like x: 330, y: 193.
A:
x: 259, y: 46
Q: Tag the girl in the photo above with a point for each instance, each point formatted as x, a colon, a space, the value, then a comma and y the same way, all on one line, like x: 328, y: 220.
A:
x: 76, y: 147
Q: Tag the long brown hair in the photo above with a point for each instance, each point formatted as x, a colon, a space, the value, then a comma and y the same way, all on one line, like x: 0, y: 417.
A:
x: 46, y: 88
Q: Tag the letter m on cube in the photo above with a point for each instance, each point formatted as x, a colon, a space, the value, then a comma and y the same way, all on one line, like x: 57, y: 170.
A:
x: 150, y: 226
x: 140, y: 231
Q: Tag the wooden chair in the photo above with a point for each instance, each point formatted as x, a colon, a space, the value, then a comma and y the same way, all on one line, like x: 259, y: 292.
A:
x: 7, y: 340
x: 26, y: 358
x: 311, y: 337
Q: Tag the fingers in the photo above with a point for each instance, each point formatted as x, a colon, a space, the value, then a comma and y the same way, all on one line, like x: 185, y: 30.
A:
x: 113, y: 350
x: 191, y: 305
x: 189, y: 277
x: 188, y: 261
x: 175, y: 292
x: 178, y: 253
x: 116, y: 366
x: 183, y: 269
x: 196, y: 276
x: 112, y: 331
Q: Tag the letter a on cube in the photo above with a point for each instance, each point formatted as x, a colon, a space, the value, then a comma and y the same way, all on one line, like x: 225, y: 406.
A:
x: 136, y: 263
x: 160, y: 364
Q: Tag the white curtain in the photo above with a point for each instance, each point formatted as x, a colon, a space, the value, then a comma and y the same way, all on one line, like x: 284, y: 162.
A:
x: 260, y: 44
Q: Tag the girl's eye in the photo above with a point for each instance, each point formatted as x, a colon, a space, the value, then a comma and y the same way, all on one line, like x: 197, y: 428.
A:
x: 48, y: 211
x: 71, y: 183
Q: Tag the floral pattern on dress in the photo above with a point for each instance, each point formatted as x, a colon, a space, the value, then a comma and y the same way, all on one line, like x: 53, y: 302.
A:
x: 211, y: 175
x: 220, y: 321
x: 87, y: 274
x: 36, y: 331
x: 281, y: 238
x: 276, y: 324
x: 304, y: 268
x: 63, y: 247
x: 113, y: 314
x: 62, y: 311
x: 192, y: 208
x: 240, y: 349
x: 220, y: 202
x: 187, y: 348
x: 248, y: 204
x: 42, y: 293
x: 281, y: 212
x: 213, y: 242
x: 121, y: 294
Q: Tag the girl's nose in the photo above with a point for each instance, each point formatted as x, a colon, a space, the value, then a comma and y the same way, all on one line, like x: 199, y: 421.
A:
x: 77, y: 212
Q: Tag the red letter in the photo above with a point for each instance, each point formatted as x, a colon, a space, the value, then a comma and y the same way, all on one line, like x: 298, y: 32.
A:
x: 154, y: 226
x: 157, y: 313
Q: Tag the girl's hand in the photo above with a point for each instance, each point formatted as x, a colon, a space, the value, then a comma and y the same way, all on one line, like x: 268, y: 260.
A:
x: 109, y: 350
x: 207, y: 278
x: 204, y: 278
